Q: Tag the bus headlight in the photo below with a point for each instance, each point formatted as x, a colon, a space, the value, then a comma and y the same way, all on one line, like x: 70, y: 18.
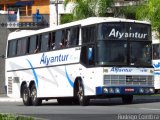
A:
x: 111, y: 90
x: 141, y: 90
x: 117, y: 90
x: 105, y: 90
x: 151, y: 90
x: 146, y: 90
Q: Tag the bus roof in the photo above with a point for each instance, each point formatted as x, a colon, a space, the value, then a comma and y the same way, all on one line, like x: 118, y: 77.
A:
x: 84, y: 22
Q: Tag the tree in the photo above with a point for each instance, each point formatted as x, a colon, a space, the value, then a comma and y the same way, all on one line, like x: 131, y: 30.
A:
x: 104, y: 6
x: 89, y: 8
x: 150, y: 11
x: 128, y: 12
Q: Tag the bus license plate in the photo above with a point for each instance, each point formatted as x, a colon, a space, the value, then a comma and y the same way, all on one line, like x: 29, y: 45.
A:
x: 129, y: 89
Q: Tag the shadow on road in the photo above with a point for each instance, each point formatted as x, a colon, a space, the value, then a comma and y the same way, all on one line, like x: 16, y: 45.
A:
x: 111, y: 101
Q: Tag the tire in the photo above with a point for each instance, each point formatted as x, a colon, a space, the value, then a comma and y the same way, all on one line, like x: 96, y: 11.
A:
x: 83, y: 100
x: 157, y: 91
x: 26, y: 96
x: 127, y: 99
x: 35, y: 101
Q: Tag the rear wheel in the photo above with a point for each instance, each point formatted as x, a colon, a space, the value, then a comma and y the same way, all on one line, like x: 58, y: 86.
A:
x: 83, y: 100
x: 35, y: 101
x: 127, y: 99
x: 26, y: 96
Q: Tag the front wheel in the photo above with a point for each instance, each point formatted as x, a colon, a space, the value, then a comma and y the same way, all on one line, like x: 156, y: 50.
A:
x: 83, y: 100
x: 35, y: 101
x: 26, y: 96
x: 127, y: 99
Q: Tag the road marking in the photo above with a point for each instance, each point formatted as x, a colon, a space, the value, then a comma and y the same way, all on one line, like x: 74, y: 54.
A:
x: 150, y: 109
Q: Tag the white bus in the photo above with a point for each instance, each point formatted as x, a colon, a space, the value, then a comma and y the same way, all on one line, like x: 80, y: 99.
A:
x: 83, y: 60
x: 156, y: 64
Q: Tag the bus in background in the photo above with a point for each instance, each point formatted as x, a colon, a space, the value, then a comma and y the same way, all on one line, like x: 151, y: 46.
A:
x: 156, y: 64
x: 82, y: 60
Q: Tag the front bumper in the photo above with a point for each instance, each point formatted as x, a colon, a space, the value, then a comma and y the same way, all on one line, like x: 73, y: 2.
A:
x: 122, y: 90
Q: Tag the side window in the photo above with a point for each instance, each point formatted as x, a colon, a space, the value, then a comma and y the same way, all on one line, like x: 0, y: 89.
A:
x: 51, y: 41
x: 68, y: 32
x: 65, y: 38
x: 58, y: 38
x: 87, y: 55
x: 74, y: 36
x: 44, y: 42
x: 92, y: 33
x: 12, y: 48
x: 85, y: 35
x: 21, y: 46
x: 33, y: 44
x: 62, y: 43
x: 91, y: 55
x: 88, y: 34
x: 156, y: 51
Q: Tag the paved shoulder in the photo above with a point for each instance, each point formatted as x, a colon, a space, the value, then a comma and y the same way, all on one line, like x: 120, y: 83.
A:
x: 4, y: 98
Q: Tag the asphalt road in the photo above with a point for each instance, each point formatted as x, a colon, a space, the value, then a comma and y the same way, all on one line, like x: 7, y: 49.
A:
x: 143, y: 108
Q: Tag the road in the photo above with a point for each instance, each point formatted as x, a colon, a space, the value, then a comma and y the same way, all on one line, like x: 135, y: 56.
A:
x: 106, y: 109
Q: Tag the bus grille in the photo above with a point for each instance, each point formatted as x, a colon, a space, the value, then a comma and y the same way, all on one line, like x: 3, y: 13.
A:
x: 145, y: 80
x: 9, y: 85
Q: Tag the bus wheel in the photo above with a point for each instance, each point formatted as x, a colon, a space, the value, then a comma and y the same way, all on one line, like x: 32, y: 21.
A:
x: 157, y: 91
x: 26, y: 96
x: 127, y: 99
x: 83, y: 100
x: 35, y: 101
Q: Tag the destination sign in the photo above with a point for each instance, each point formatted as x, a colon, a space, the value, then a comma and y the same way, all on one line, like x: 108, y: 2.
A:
x: 124, y: 31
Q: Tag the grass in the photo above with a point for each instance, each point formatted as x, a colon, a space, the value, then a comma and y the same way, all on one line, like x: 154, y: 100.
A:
x: 14, y: 117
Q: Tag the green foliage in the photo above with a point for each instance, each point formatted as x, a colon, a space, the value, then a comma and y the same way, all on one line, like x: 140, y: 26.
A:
x: 89, y: 8
x: 150, y: 10
x: 66, y: 18
x: 14, y: 117
x: 129, y: 11
x: 103, y: 6
x: 83, y: 9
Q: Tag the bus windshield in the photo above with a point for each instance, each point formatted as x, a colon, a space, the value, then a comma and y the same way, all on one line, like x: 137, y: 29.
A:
x: 112, y: 53
x: 124, y: 44
x: 140, y: 53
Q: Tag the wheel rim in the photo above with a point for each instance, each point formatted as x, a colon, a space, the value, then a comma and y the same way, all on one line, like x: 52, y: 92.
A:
x: 80, y: 93
x: 34, y: 94
x: 25, y: 95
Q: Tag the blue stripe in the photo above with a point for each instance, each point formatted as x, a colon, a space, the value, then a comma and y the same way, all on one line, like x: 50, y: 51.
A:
x: 69, y: 80
x: 34, y: 73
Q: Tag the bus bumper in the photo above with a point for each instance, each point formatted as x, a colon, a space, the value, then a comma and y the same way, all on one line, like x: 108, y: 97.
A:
x: 122, y: 90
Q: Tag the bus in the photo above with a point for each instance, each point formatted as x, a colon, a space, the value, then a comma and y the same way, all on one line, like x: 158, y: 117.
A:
x: 156, y: 64
x: 97, y: 57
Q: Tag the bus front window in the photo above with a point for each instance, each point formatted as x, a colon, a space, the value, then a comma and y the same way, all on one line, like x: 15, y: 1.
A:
x: 140, y: 53
x: 111, y: 53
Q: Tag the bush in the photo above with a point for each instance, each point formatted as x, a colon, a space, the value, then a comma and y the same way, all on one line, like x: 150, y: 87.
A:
x: 14, y: 117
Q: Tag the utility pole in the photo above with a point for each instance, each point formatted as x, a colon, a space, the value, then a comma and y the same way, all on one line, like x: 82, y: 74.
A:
x: 56, y: 4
